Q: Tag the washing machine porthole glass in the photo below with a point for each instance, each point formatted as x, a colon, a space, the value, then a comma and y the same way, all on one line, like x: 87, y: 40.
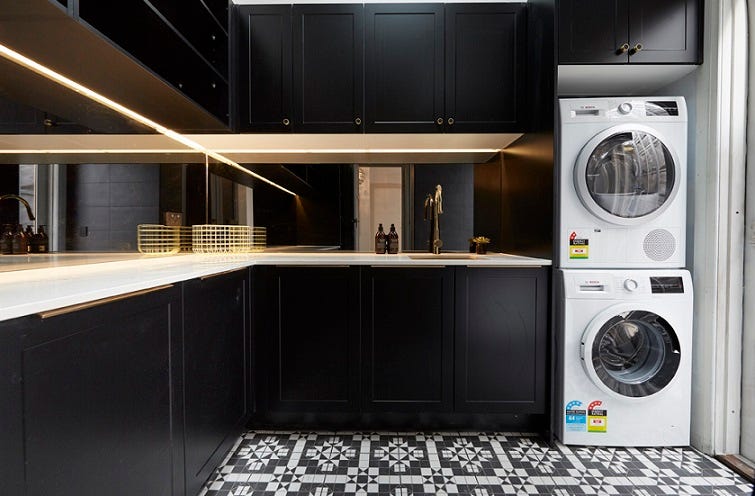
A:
x: 636, y: 353
x: 630, y: 174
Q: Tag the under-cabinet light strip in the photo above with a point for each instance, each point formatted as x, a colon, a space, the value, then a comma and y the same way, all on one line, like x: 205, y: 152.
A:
x: 22, y: 60
x: 253, y: 151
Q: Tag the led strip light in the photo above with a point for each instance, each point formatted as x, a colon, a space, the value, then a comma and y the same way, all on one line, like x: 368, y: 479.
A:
x: 93, y: 95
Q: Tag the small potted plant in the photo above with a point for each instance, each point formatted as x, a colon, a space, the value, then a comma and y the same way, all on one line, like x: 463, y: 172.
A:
x: 478, y: 245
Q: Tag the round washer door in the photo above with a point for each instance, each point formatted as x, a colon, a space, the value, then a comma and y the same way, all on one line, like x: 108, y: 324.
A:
x: 627, y: 175
x: 632, y: 353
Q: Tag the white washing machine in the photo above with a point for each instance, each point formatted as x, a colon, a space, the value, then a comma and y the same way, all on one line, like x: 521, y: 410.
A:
x: 622, y: 182
x: 623, y: 357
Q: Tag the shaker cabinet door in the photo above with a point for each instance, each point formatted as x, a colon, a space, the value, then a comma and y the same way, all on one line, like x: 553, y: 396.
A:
x: 668, y: 32
x: 485, y: 67
x: 404, y: 67
x: 593, y: 32
x: 328, y: 68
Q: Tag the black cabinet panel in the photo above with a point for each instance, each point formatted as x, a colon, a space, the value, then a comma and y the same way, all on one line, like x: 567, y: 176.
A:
x: 408, y: 339
x: 501, y: 340
x: 265, y: 68
x: 669, y: 31
x: 592, y: 31
x: 11, y: 400
x: 98, y: 410
x: 404, y: 67
x: 216, y: 353
x: 485, y: 64
x: 637, y: 31
x: 315, y: 339
x: 328, y: 68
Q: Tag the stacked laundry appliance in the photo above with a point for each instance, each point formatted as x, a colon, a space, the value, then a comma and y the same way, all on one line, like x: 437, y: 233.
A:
x: 624, y: 301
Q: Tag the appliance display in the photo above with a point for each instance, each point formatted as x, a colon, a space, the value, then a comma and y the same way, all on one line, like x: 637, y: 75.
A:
x: 622, y: 182
x: 623, y: 357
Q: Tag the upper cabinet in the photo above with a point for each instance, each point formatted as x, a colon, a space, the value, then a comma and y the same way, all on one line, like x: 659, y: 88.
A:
x: 638, y: 32
x: 381, y: 68
x: 264, y: 68
x: 328, y: 68
x: 404, y: 70
x: 485, y: 63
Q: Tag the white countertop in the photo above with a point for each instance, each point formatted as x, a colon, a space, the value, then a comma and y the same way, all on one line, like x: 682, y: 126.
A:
x: 53, y: 281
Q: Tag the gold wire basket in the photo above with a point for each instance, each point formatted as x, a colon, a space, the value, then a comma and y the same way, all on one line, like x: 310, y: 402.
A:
x: 155, y: 239
x: 210, y: 238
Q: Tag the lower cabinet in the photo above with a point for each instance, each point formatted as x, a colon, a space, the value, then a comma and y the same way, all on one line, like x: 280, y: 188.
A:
x: 216, y: 350
x: 92, y: 392
x: 501, y: 340
x: 407, y: 339
x: 314, y: 349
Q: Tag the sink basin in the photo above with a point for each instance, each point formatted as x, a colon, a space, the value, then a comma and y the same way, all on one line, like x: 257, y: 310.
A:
x: 445, y: 256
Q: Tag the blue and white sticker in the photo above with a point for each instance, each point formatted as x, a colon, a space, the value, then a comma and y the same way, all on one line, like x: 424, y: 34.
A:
x: 576, y: 418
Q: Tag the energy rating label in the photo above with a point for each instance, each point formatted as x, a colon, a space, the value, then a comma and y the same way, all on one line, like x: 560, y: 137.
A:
x: 578, y: 247
x: 576, y: 417
x: 597, y: 417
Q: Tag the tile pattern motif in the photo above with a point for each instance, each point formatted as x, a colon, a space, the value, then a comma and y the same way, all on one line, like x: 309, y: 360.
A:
x: 277, y: 463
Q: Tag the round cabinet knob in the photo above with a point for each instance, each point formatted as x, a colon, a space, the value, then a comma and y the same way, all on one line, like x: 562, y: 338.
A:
x: 286, y: 122
x: 622, y: 49
x: 625, y: 108
x: 451, y: 121
x: 358, y: 121
x: 631, y: 285
x: 635, y: 49
x: 439, y: 121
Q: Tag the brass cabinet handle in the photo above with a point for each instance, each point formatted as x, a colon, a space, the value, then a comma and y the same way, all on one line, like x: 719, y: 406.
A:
x: 286, y: 122
x: 635, y: 49
x: 450, y: 121
x: 102, y: 301
x: 439, y: 121
x: 358, y: 121
x: 622, y: 49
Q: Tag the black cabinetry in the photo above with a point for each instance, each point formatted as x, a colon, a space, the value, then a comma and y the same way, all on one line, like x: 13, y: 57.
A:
x: 640, y: 31
x: 407, y: 329
x: 99, y: 392
x: 314, y: 339
x: 328, y: 71
x: 180, y: 42
x: 216, y: 347
x: 501, y: 340
x: 485, y: 66
x: 404, y: 67
x: 265, y: 68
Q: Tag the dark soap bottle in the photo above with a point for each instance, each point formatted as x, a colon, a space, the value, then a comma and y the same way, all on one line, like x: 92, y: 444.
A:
x: 380, y: 240
x: 392, y: 240
x: 20, y: 243
x: 43, y: 240
x: 6, y: 240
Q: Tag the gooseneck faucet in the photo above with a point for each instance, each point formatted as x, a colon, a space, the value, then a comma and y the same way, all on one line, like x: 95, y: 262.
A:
x: 22, y: 201
x: 433, y: 209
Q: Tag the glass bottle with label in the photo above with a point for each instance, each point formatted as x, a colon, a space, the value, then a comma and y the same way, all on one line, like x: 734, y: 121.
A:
x: 6, y: 240
x: 380, y: 240
x: 393, y: 240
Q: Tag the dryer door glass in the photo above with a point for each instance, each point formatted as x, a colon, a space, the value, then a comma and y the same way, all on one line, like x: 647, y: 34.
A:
x: 630, y: 174
x: 636, y: 353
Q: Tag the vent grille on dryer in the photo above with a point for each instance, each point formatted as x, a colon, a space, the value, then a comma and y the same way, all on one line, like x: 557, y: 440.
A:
x: 659, y: 245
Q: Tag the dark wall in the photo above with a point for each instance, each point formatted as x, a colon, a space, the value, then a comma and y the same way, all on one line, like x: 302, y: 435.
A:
x: 105, y: 203
x: 457, y: 220
x: 8, y: 184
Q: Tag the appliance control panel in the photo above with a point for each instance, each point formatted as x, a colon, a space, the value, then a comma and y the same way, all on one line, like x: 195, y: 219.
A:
x: 630, y: 109
x: 622, y: 284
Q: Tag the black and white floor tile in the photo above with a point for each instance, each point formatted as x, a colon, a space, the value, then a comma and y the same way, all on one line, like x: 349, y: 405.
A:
x: 277, y: 463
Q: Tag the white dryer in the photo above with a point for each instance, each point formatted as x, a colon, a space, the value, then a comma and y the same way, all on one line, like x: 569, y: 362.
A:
x: 622, y: 182
x: 623, y: 357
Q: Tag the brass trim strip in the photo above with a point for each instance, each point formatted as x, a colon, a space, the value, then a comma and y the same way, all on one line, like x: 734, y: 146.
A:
x: 217, y: 274
x: 102, y: 301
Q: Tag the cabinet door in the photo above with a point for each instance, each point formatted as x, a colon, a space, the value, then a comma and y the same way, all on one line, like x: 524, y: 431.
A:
x: 408, y: 339
x: 485, y: 61
x: 404, y: 67
x: 216, y: 354
x: 102, y: 399
x: 328, y: 68
x: 669, y: 31
x: 592, y: 31
x: 501, y: 340
x: 264, y: 68
x: 315, y: 339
